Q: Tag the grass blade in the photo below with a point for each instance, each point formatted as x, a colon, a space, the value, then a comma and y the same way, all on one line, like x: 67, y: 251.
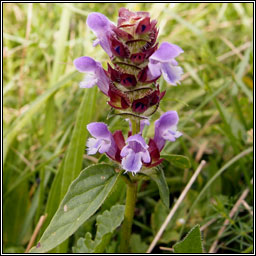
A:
x: 218, y: 173
x: 26, y: 116
x: 57, y: 70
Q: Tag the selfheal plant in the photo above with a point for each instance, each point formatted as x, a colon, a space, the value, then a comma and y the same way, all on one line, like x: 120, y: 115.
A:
x: 130, y: 82
x: 137, y: 61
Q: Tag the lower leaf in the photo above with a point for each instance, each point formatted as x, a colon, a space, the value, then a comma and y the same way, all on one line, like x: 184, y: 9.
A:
x: 83, y: 198
x: 106, y: 223
x: 157, y: 175
x: 192, y: 243
x: 177, y: 160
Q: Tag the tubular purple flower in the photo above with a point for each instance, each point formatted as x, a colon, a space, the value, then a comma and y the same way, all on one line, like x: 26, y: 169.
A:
x: 103, y: 140
x: 94, y: 73
x: 134, y: 154
x: 166, y: 129
x: 162, y: 61
x: 102, y: 27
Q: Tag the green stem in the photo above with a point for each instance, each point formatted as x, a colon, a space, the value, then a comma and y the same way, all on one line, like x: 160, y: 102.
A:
x: 131, y: 194
x: 135, y: 126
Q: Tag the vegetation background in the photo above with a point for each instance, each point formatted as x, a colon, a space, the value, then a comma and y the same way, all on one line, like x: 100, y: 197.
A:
x: 45, y: 115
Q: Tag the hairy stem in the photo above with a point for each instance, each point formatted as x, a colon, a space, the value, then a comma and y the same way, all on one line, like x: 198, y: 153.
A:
x: 131, y: 194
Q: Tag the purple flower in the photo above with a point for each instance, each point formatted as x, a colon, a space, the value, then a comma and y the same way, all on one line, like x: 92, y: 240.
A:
x: 94, y: 74
x: 134, y: 154
x: 162, y: 61
x: 103, y: 140
x: 166, y: 129
x: 102, y: 27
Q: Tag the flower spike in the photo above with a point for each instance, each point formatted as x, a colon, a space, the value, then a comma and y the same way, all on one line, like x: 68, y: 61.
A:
x: 136, y: 62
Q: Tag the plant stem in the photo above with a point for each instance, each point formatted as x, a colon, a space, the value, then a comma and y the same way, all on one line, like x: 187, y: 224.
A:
x: 131, y: 194
x: 135, y: 126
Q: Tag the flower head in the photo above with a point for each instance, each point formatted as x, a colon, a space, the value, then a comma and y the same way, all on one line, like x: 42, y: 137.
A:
x: 134, y: 154
x: 130, y: 83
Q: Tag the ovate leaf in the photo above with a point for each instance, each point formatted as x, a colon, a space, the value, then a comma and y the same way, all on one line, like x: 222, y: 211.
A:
x: 157, y: 175
x: 177, y: 160
x: 117, y: 195
x: 192, y: 243
x: 71, y: 164
x: 106, y: 223
x: 83, y: 198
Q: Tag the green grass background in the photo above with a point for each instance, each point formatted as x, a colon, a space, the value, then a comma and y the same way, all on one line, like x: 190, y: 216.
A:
x: 45, y: 115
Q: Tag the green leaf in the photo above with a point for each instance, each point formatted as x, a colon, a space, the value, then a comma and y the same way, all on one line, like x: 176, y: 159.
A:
x: 103, y: 158
x: 192, y: 243
x: 74, y: 157
x: 107, y: 223
x: 84, y: 245
x: 177, y: 160
x: 157, y: 175
x: 72, y: 162
x: 112, y: 247
x: 84, y: 197
x: 137, y: 245
x: 117, y: 195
